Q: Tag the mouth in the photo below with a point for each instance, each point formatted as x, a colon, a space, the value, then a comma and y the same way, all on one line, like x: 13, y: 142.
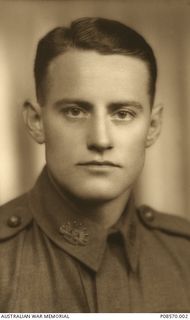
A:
x: 99, y: 164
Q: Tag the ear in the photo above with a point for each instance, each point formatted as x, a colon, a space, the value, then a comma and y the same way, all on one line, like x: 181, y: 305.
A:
x: 33, y: 120
x: 155, y: 125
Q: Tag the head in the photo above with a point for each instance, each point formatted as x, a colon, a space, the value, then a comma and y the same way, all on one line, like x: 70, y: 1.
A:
x: 104, y: 36
x: 95, y: 87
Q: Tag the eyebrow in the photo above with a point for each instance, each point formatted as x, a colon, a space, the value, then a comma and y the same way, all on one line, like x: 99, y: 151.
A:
x: 83, y: 103
x: 88, y: 105
x: 127, y: 103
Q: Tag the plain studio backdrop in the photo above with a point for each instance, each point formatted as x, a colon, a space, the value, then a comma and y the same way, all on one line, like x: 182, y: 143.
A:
x: 165, y: 181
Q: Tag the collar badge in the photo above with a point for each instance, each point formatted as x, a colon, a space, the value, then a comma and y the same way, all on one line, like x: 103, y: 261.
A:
x: 74, y: 233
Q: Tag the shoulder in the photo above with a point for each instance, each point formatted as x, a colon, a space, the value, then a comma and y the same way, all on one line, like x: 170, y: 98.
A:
x: 14, y: 217
x: 164, y: 223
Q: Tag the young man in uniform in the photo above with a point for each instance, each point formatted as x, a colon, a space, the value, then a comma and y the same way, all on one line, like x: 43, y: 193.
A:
x: 76, y: 242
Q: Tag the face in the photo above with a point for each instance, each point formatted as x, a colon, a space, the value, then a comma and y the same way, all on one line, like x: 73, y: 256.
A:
x: 95, y: 123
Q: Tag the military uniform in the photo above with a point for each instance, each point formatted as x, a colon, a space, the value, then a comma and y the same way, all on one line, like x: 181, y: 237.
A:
x: 55, y: 261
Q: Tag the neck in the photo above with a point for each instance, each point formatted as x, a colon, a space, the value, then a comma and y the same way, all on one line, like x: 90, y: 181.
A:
x: 104, y: 213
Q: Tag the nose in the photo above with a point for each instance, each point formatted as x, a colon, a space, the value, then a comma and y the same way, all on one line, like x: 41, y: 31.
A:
x: 99, y: 136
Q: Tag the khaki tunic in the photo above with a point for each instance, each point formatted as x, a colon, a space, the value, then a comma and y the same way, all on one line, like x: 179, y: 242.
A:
x: 52, y: 260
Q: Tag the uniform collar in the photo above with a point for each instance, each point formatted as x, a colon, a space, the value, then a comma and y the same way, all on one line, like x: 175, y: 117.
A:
x: 78, y: 236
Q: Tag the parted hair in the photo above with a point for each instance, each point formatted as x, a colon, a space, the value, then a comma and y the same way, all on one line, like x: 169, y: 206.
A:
x: 98, y: 34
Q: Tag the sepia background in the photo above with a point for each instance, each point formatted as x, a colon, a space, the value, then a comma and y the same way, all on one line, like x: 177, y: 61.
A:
x: 165, y: 181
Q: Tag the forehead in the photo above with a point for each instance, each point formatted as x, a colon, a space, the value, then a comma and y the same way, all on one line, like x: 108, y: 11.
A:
x: 85, y: 73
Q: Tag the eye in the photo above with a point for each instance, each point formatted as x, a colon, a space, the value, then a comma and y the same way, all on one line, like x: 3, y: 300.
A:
x: 126, y: 115
x: 74, y: 112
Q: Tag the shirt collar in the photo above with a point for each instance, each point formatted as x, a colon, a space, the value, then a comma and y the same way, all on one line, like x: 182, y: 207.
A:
x: 80, y: 237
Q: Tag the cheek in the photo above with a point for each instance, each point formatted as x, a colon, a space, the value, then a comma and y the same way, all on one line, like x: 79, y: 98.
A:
x: 59, y: 131
x: 135, y: 154
x: 134, y: 138
x: 133, y: 149
x: 62, y: 147
x: 55, y: 134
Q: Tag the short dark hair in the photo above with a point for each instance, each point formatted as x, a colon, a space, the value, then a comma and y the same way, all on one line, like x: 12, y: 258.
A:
x: 102, y: 35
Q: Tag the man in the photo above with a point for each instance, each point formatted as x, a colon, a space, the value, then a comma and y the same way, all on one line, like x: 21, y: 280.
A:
x: 75, y: 242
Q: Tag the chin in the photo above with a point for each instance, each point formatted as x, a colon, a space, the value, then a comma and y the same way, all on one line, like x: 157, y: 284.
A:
x: 98, y: 189
x: 99, y: 194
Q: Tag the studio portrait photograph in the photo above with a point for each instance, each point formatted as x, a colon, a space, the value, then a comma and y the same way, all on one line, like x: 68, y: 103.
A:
x: 94, y: 156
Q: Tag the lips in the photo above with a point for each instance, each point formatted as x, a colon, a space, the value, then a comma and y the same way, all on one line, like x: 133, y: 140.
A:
x: 99, y: 163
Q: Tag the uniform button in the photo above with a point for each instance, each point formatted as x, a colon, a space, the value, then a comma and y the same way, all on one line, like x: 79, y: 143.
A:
x: 149, y: 215
x: 14, y: 221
